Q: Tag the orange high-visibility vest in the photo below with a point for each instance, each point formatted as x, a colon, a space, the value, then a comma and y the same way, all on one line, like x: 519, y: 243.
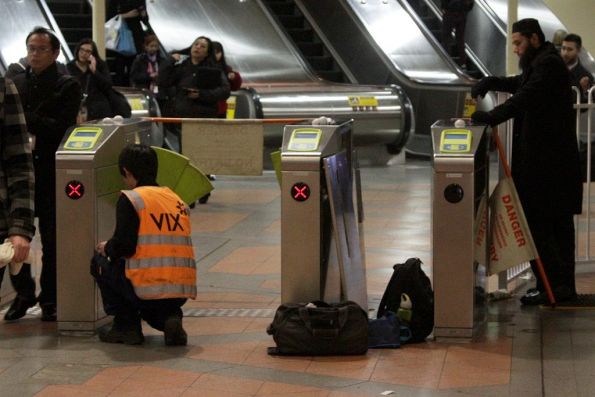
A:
x: 163, y: 265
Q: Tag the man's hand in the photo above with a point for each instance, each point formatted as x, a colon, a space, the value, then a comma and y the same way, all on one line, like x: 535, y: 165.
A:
x: 482, y: 117
x: 482, y: 87
x: 21, y: 247
x: 584, y: 83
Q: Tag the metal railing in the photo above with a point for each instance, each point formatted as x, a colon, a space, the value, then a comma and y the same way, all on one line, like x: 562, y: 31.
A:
x: 583, y: 221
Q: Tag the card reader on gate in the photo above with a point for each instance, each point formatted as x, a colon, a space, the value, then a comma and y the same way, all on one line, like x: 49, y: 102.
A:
x: 455, y: 141
x: 83, y: 138
x: 304, y: 139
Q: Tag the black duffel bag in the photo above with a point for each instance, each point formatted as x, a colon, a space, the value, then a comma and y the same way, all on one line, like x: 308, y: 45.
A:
x: 319, y: 329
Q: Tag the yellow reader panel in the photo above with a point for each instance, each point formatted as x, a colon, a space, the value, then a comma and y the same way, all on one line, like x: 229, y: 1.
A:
x: 455, y: 141
x: 83, y: 138
x: 304, y: 139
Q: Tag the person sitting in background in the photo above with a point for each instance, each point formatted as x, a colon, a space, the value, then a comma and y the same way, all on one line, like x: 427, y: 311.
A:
x: 580, y: 77
x: 94, y: 77
x: 234, y: 78
x: 151, y: 269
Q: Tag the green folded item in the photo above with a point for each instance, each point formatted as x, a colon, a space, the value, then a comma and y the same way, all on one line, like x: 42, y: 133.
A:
x: 176, y: 172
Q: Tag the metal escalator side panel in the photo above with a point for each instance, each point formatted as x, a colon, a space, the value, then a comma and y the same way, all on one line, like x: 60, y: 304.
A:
x: 18, y: 19
x: 253, y: 43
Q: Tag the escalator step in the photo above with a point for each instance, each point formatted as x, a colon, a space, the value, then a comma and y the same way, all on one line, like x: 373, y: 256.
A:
x: 292, y: 21
x: 73, y: 20
x: 432, y: 23
x: 282, y: 7
x: 59, y: 7
x: 310, y: 49
x: 324, y: 62
x: 303, y: 34
x: 331, y: 75
x: 74, y: 35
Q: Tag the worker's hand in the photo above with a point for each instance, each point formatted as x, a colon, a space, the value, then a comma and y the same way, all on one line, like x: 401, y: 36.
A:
x: 21, y: 246
x: 100, y: 248
x: 482, y: 117
x: 483, y: 86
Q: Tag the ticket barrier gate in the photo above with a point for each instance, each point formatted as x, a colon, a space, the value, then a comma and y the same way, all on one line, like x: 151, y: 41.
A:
x: 459, y: 225
x: 321, y: 238
x: 88, y: 183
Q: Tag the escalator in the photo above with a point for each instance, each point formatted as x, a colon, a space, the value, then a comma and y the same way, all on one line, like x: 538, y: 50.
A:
x: 278, y: 82
x: 309, y: 43
x: 431, y: 16
x: 74, y: 19
x: 389, y: 44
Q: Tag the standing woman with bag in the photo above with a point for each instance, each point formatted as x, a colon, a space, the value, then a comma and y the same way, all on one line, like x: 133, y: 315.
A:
x: 132, y: 12
x: 94, y: 77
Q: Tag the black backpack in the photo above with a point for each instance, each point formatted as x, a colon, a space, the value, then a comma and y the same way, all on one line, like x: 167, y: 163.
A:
x: 409, y: 278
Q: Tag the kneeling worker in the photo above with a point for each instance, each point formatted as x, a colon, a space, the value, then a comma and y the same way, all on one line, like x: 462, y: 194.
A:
x: 151, y: 270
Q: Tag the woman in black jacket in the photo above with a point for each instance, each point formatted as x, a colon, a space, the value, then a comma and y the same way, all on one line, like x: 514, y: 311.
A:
x: 199, y: 82
x: 94, y: 77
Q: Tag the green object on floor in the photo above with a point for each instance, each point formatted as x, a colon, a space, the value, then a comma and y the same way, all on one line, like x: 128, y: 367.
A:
x: 276, y: 158
x: 176, y: 172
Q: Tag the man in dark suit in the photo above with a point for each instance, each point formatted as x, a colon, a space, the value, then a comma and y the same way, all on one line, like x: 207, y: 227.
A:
x: 580, y: 77
x: 545, y: 162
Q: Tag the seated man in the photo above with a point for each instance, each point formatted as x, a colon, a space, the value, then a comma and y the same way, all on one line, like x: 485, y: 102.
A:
x: 149, y: 271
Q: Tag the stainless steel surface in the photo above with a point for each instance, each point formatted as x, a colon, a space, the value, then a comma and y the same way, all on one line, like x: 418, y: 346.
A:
x: 458, y: 313
x: 352, y: 269
x: 388, y: 44
x: 81, y: 223
x: 144, y: 104
x: 320, y: 241
x: 279, y: 82
x: 19, y: 17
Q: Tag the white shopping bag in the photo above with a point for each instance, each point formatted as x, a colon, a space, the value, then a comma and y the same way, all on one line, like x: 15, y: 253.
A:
x: 112, y: 29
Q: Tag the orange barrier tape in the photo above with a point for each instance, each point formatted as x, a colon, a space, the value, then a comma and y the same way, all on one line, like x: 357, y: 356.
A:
x: 179, y: 120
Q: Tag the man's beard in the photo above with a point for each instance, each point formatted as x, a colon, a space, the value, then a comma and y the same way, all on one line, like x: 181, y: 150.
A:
x: 528, y: 57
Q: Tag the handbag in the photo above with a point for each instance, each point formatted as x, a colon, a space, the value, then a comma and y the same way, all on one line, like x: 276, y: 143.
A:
x: 125, y: 44
x: 387, y: 332
x: 119, y: 104
x: 319, y: 328
x: 112, y: 29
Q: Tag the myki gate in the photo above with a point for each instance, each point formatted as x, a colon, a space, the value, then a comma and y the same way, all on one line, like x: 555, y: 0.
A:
x: 459, y: 225
x: 321, y: 239
x: 88, y: 184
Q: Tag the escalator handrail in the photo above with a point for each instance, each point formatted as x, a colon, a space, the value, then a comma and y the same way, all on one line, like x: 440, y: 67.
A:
x: 56, y: 29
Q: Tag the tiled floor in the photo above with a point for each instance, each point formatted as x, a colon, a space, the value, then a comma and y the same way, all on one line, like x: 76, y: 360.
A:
x: 522, y: 351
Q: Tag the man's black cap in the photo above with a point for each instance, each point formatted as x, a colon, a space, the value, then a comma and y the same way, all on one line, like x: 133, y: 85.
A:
x: 528, y: 26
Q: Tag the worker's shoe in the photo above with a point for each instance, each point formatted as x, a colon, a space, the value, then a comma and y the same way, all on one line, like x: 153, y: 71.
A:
x: 126, y: 334
x: 174, y: 333
x: 19, y: 308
